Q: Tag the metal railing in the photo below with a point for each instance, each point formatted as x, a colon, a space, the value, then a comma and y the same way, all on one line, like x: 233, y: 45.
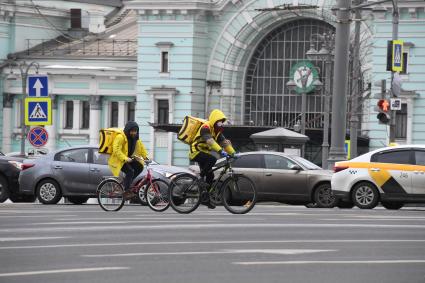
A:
x: 83, y: 47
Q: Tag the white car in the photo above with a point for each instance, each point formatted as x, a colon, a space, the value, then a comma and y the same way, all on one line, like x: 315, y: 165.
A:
x: 392, y: 175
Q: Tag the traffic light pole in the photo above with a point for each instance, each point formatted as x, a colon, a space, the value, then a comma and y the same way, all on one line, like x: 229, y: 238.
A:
x: 394, y: 37
x: 339, y: 94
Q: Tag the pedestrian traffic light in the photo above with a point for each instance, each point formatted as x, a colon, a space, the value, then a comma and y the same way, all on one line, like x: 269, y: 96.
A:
x: 383, y: 108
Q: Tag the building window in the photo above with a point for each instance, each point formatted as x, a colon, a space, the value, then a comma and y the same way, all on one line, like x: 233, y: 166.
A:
x: 69, y: 114
x: 85, y: 123
x: 164, y: 62
x: 163, y: 109
x: 401, y: 122
x: 131, y: 106
x: 114, y: 114
x: 268, y: 100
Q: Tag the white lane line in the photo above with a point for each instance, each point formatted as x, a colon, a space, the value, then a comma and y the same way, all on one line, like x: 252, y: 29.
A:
x: 356, y: 219
x: 328, y: 262
x: 254, y: 251
x: 33, y: 216
x: 216, y: 226
x: 53, y: 271
x: 30, y: 239
x: 119, y: 222
x: 210, y: 242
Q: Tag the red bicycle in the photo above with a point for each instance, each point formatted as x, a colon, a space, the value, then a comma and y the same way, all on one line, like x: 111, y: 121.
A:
x: 110, y: 192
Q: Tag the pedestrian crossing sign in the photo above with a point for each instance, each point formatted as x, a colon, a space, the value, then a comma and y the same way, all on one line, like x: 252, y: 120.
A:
x: 397, y: 56
x: 38, y: 111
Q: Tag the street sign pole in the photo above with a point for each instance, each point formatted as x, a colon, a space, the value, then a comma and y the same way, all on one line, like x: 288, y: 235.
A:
x: 394, y: 37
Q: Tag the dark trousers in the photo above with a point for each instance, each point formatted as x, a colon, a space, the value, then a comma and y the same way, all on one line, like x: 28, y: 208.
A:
x: 206, y: 162
x: 131, y: 171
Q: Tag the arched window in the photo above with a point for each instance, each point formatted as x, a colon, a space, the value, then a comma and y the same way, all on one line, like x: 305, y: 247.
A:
x: 268, y: 101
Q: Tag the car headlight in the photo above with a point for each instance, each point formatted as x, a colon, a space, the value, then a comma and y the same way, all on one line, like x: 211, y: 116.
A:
x: 168, y: 174
x: 17, y: 164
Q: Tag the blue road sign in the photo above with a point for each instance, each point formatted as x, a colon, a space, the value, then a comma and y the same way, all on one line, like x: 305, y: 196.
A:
x: 38, y: 111
x: 38, y: 86
x: 38, y: 136
x: 397, y: 58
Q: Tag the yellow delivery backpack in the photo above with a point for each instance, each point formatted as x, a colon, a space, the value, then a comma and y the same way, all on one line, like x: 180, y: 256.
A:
x: 189, y: 129
x: 106, y: 139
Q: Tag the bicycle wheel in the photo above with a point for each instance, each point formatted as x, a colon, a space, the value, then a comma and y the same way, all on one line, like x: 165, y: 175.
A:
x: 185, y: 193
x: 110, y: 195
x: 238, y: 194
x: 156, y: 195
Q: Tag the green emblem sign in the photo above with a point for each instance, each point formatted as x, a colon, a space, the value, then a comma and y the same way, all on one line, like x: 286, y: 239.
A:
x: 304, y: 75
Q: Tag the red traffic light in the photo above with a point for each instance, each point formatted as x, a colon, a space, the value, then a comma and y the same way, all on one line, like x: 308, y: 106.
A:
x: 384, y: 105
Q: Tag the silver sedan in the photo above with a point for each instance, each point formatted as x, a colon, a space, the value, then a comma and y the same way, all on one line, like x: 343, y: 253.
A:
x: 74, y: 173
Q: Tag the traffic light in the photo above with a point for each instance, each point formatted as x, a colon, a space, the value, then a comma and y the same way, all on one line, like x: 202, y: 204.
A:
x: 383, y: 108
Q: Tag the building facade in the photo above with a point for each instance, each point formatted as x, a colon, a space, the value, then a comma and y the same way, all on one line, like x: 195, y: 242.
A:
x: 91, y: 70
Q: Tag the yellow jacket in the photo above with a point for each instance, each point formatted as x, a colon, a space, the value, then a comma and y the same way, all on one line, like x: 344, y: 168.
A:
x: 120, y: 153
x: 200, y: 144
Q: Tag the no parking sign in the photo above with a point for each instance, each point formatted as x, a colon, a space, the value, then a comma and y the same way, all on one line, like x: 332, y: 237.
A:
x: 38, y: 136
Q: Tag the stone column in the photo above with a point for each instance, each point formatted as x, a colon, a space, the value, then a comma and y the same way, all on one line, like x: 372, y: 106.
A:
x: 51, y: 129
x: 95, y: 108
x: 7, y: 123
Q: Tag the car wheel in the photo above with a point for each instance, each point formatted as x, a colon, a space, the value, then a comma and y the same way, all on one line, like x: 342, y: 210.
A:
x: 78, y: 200
x: 323, y: 196
x: 392, y: 205
x: 365, y: 195
x: 4, y: 189
x: 48, y: 192
x: 141, y: 195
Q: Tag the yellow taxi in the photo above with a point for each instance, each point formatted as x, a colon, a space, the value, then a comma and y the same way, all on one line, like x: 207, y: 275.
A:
x: 392, y: 175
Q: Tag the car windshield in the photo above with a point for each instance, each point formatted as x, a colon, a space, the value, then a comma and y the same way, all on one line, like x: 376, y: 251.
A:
x: 307, y: 164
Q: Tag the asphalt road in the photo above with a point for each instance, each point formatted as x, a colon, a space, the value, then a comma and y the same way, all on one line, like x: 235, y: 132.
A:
x: 273, y: 243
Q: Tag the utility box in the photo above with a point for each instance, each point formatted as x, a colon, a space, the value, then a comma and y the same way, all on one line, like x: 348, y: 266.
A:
x: 280, y: 139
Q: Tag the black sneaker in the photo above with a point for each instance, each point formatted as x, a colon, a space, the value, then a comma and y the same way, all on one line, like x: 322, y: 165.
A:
x: 210, y: 205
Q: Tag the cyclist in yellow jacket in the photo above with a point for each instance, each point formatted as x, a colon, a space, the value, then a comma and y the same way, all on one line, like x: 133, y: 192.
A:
x: 210, y: 138
x: 127, y: 145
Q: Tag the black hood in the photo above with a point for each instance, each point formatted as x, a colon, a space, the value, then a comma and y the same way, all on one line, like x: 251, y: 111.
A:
x: 131, y: 125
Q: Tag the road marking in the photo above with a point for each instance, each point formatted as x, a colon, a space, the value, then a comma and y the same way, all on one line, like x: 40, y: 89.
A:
x: 254, y: 251
x: 207, y: 242
x: 29, y: 238
x: 328, y: 262
x: 32, y: 216
x: 120, y: 222
x: 216, y: 226
x: 40, y: 272
x: 382, y: 219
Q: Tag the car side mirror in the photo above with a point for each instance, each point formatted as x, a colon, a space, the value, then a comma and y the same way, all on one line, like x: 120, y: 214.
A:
x: 295, y: 167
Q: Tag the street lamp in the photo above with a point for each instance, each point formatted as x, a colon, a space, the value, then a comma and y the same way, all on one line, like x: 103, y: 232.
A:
x: 324, y: 54
x: 304, y: 81
x: 24, y: 69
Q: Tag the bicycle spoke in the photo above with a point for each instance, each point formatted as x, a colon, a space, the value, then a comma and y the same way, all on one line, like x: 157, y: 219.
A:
x: 239, y: 194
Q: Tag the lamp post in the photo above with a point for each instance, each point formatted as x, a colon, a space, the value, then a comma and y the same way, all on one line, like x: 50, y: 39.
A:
x: 304, y: 80
x: 325, y: 54
x: 24, y: 69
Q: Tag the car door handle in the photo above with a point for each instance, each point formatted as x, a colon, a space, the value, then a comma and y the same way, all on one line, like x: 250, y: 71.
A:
x: 269, y: 174
x: 94, y: 170
x: 57, y: 167
x: 375, y: 169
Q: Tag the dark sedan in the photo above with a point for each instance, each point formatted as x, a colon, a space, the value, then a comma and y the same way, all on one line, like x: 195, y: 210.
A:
x: 10, y: 167
x: 285, y: 178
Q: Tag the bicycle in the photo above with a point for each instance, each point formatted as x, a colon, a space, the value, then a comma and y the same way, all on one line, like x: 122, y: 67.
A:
x: 110, y: 192
x: 236, y: 192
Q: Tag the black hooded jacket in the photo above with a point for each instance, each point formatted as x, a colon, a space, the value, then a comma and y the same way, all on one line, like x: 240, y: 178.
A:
x: 131, y: 141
